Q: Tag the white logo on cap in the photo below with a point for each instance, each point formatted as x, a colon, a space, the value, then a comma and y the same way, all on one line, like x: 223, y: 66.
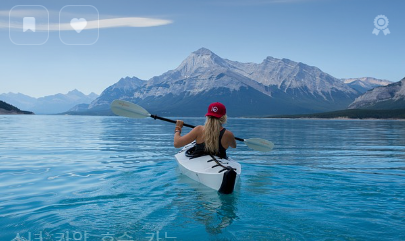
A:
x: 214, y: 109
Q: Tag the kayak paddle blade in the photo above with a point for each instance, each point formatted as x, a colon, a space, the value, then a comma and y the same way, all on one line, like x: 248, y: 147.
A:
x: 128, y: 109
x: 259, y: 144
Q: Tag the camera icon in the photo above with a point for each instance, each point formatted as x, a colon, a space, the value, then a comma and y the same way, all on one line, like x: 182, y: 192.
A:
x: 29, y: 25
x: 78, y: 25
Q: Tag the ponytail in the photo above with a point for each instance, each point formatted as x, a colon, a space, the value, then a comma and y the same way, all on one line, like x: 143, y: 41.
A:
x: 212, y: 129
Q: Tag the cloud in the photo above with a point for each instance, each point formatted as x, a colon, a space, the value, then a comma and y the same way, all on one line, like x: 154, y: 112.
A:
x: 132, y: 22
x: 106, y: 22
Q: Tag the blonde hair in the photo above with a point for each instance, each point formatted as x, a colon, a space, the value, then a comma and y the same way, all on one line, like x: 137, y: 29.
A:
x: 212, y: 128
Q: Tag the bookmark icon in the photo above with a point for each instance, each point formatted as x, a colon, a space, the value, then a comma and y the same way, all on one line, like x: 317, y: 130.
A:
x: 29, y: 24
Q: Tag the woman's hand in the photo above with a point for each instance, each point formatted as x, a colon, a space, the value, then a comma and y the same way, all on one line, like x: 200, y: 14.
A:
x: 179, y: 125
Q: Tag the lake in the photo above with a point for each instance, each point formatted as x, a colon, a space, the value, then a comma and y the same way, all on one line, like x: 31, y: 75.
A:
x: 114, y: 178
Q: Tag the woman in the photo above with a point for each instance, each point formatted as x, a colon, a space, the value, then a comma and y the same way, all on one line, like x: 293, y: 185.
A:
x: 211, y: 138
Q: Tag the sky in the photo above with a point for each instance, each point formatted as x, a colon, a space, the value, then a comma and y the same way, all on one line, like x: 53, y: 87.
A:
x: 90, y: 44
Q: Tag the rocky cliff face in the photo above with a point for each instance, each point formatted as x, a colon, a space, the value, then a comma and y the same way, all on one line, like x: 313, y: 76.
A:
x: 391, y: 96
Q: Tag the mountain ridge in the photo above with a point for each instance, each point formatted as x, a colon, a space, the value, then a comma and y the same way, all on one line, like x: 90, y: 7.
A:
x: 364, y: 84
x: 274, y: 86
x: 391, y: 96
x: 7, y: 109
x: 51, y: 104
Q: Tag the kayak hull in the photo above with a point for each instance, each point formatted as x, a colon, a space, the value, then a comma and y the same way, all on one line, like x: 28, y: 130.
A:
x: 206, y: 171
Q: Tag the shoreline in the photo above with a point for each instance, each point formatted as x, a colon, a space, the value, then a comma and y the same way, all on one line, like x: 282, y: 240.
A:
x: 333, y: 118
x: 14, y: 113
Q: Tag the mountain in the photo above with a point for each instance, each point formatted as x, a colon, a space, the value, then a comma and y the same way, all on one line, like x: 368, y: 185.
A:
x: 79, y: 108
x: 275, y: 86
x: 366, y: 83
x: 59, y: 103
x: 124, y: 88
x: 101, y: 105
x: 22, y: 101
x: 7, y: 109
x: 391, y: 96
x: 351, y: 114
x: 51, y: 104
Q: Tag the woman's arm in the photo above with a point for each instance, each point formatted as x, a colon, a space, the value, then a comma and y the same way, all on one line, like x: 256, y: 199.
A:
x: 231, y: 138
x: 179, y: 140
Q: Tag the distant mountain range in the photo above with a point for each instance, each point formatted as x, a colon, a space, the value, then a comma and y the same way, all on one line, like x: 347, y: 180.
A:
x: 7, y: 109
x: 387, y: 97
x: 275, y: 86
x: 52, y: 104
x: 364, y: 84
x: 383, y: 102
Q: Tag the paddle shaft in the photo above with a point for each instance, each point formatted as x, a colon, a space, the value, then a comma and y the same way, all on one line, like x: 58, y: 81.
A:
x: 184, y: 124
x: 169, y: 120
x: 131, y: 110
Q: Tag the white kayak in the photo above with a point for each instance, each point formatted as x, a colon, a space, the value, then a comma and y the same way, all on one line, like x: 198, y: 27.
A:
x: 214, y: 172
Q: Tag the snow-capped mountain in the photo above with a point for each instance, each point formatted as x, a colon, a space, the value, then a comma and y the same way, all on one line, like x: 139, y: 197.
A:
x: 366, y: 83
x: 275, y: 86
x: 52, y: 104
x: 201, y: 70
x: 286, y: 74
x: 391, y: 96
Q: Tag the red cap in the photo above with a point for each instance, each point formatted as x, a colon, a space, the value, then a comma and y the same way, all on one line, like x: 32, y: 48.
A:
x: 216, y: 110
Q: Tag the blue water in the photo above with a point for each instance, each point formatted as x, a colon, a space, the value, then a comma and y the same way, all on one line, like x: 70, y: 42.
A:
x: 102, y: 178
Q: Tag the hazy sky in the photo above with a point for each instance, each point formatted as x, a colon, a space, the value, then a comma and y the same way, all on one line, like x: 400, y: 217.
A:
x: 148, y: 38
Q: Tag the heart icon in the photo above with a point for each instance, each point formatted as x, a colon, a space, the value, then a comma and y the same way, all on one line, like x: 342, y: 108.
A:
x: 78, y: 24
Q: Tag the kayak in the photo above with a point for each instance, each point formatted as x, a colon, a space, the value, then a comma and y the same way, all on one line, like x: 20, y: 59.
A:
x: 217, y: 173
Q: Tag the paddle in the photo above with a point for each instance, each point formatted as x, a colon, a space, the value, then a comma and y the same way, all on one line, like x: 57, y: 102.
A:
x: 129, y: 109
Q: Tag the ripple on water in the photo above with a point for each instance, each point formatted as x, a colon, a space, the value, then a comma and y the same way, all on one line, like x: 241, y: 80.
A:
x: 324, y: 180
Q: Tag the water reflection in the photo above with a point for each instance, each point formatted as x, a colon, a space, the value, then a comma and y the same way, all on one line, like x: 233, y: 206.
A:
x: 218, y: 213
x: 214, y: 210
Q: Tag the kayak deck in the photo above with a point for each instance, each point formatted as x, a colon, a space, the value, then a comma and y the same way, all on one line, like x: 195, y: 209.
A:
x: 205, y: 169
